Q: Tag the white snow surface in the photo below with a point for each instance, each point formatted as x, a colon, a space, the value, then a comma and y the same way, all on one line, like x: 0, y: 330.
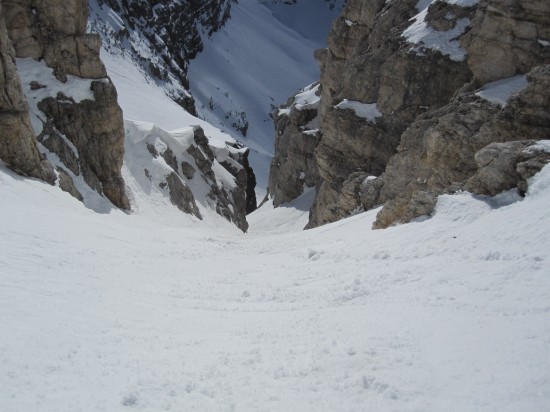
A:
x: 500, y: 91
x: 157, y: 311
x: 75, y: 88
x: 540, y: 146
x: 424, y: 37
x: 367, y: 111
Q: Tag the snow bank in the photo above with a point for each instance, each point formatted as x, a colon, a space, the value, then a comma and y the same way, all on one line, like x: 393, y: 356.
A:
x: 308, y: 98
x: 500, y: 91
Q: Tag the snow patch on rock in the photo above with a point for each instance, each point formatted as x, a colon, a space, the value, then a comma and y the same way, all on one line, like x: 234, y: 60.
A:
x: 500, y: 91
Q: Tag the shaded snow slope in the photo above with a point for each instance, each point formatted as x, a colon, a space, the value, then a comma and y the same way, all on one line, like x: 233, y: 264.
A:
x: 153, y: 312
x: 262, y: 55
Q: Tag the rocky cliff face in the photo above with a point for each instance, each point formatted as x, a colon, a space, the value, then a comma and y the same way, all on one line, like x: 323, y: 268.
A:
x: 56, y: 98
x: 160, y: 36
x: 404, y: 109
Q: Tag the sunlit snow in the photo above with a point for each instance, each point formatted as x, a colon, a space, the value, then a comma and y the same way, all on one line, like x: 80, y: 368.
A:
x: 367, y: 111
x: 500, y: 91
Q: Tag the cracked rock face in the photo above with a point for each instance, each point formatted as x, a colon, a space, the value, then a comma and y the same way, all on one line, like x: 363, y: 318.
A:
x: 95, y: 128
x: 401, y: 117
x: 86, y: 135
x: 507, y: 37
x: 449, y: 148
x: 162, y: 37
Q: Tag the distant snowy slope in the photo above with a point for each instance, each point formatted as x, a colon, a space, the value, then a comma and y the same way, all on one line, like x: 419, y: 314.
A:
x: 159, y: 37
x: 262, y: 55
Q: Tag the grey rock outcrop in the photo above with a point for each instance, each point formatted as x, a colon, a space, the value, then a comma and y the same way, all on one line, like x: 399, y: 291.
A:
x: 17, y: 144
x: 95, y: 128
x: 181, y: 195
x: 507, y: 37
x: 161, y: 37
x: 401, y: 119
x: 229, y: 202
x: 369, y: 61
x: 87, y: 135
x: 445, y: 148
x: 505, y: 166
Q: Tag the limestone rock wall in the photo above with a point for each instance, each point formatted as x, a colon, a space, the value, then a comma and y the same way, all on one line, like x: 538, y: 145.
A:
x: 444, y: 150
x: 85, y: 136
x: 401, y: 117
x: 507, y: 37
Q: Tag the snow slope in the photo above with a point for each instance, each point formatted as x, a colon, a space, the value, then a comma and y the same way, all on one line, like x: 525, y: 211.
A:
x: 153, y: 312
x: 262, y: 55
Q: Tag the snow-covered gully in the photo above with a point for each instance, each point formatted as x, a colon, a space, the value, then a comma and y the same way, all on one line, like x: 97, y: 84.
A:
x: 156, y: 311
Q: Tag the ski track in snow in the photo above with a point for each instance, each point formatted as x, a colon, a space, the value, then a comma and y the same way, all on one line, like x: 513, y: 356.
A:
x: 145, y: 312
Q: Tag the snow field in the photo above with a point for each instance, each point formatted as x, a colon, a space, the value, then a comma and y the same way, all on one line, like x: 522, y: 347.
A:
x: 119, y: 312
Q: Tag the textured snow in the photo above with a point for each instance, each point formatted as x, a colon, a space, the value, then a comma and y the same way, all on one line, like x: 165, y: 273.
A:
x: 500, y: 91
x: 156, y: 310
x: 367, y: 111
x: 425, y: 37
x: 152, y: 311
